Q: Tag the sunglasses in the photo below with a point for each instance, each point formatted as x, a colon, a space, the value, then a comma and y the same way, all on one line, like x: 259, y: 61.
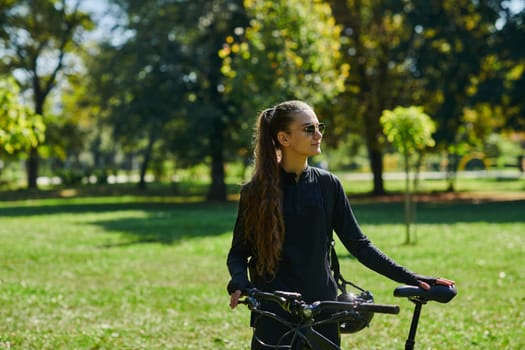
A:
x: 310, y: 129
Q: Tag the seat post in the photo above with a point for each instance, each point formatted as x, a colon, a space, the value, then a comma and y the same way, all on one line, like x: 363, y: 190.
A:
x: 411, y: 340
x: 420, y: 296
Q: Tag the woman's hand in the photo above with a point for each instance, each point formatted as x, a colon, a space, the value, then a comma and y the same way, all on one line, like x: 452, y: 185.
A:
x: 234, y: 299
x: 441, y: 281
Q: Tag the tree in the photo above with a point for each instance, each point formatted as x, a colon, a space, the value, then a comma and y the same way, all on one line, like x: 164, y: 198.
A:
x: 74, y: 133
x: 36, y: 37
x: 290, y: 50
x: 501, y: 83
x: 168, y: 100
x: 19, y: 128
x: 141, y: 79
x: 410, y: 130
x: 375, y: 41
x: 453, y: 41
x: 210, y: 108
x: 435, y: 54
x: 213, y: 125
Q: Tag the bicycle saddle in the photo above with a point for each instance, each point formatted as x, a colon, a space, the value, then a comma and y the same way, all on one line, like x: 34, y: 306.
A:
x: 439, y: 293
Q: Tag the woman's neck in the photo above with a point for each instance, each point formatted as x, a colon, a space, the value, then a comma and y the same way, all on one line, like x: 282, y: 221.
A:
x: 295, y: 166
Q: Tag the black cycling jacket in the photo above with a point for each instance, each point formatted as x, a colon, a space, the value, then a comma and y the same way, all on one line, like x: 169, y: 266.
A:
x: 313, y: 206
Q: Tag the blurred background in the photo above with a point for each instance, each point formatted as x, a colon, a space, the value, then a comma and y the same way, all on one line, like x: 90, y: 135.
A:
x: 109, y: 91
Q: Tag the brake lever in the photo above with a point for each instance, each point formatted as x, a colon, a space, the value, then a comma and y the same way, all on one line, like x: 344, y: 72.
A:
x: 251, y: 302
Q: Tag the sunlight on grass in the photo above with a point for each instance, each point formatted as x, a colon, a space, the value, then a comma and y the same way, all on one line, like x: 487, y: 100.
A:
x: 150, y: 273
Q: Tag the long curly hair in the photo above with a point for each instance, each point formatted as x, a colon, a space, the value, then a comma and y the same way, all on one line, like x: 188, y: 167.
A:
x: 262, y: 194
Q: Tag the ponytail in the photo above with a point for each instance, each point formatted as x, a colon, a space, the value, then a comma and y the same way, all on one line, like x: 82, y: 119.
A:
x: 262, y: 195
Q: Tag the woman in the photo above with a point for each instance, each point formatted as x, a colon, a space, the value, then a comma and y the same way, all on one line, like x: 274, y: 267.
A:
x: 285, y: 219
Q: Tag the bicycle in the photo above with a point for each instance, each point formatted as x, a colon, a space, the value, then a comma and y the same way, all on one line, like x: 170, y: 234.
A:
x: 304, y: 336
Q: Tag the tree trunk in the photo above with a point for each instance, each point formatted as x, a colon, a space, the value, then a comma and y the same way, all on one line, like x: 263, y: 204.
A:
x: 143, y: 168
x: 415, y: 189
x: 217, y: 191
x: 147, y: 158
x: 452, y: 171
x: 375, y: 155
x: 408, y: 198
x: 376, y: 163
x: 32, y: 168
x: 32, y: 163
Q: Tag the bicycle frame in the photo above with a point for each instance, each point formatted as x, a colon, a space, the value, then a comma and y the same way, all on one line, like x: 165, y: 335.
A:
x: 303, y: 335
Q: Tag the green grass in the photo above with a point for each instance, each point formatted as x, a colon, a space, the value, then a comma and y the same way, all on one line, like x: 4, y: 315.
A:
x: 462, y: 184
x: 148, y: 272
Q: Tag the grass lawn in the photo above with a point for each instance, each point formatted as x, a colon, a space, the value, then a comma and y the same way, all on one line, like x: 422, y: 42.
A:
x: 148, y: 272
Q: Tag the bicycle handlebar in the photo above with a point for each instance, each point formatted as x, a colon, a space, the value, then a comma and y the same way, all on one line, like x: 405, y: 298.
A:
x: 342, y: 312
x: 293, y: 303
x: 380, y: 308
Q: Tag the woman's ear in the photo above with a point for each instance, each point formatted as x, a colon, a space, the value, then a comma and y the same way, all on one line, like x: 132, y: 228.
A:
x: 283, y: 138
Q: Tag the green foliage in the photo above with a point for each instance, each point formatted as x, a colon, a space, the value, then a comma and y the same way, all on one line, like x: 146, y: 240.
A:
x: 443, y: 55
x: 376, y: 43
x: 503, y: 71
x: 453, y: 43
x: 141, y: 96
x: 408, y: 128
x: 47, y: 37
x: 502, y: 151
x: 38, y: 38
x: 290, y: 50
x: 184, y: 79
x: 173, y: 105
x: 19, y: 127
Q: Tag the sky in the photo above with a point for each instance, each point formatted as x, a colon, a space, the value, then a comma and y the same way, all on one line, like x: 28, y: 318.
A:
x: 516, y: 5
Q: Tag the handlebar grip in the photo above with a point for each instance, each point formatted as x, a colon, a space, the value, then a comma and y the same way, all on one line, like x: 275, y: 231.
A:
x: 364, y: 307
x: 379, y: 308
x: 276, y: 297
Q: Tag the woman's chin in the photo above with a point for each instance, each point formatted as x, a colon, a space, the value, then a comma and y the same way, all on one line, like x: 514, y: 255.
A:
x: 316, y: 152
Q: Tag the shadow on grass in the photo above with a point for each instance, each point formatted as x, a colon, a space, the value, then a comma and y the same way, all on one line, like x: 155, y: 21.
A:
x: 173, y: 225
x: 510, y: 211
x: 158, y: 220
x: 79, y: 208
x: 165, y: 220
x: 366, y: 212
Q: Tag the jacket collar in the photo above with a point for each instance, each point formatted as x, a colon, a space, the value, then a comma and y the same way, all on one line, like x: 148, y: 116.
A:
x: 288, y: 178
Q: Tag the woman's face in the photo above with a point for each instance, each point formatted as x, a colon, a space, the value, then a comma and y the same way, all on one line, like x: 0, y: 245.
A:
x: 304, y: 135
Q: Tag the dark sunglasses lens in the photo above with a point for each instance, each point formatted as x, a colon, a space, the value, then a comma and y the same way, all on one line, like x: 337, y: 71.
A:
x: 310, y: 129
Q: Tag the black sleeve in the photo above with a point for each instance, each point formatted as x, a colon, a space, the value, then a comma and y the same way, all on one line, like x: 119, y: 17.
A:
x: 238, y: 255
x: 348, y: 230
